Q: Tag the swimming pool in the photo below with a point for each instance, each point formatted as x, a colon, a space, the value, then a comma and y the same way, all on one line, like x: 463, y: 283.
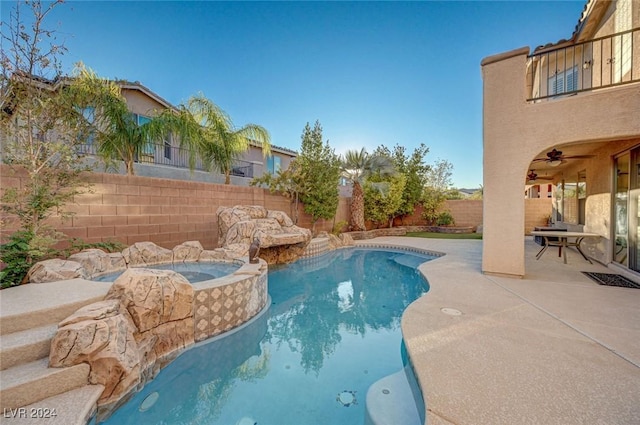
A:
x: 332, y: 332
x: 193, y: 272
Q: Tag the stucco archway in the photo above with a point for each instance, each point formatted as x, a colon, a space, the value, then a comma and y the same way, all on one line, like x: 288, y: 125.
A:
x: 515, y: 131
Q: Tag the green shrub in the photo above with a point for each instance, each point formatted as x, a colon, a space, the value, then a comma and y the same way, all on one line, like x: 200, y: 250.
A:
x: 78, y: 245
x: 22, y: 251
x: 445, y: 219
x: 339, y: 227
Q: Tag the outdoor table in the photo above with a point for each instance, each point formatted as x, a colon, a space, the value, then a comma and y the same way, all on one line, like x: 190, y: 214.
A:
x: 563, y: 241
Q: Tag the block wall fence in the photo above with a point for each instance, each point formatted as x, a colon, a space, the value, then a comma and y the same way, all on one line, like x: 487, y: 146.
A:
x: 168, y: 212
x: 468, y: 213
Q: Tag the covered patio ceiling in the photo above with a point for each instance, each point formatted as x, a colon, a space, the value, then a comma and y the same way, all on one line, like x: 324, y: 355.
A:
x: 548, y: 166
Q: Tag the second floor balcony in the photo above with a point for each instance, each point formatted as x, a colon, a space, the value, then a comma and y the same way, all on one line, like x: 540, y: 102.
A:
x: 595, y: 64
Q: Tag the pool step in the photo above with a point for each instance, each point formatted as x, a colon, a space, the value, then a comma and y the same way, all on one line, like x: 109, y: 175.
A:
x: 74, y: 407
x: 26, y: 346
x: 35, y: 305
x: 31, y: 382
x: 390, y: 401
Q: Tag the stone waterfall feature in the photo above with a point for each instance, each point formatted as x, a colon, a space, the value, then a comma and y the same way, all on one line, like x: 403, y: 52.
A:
x: 281, y: 241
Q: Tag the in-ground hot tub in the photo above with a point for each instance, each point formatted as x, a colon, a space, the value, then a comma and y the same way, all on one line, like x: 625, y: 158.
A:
x: 193, y: 272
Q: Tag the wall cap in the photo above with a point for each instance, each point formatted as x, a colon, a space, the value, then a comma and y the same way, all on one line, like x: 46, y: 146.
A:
x: 505, y: 55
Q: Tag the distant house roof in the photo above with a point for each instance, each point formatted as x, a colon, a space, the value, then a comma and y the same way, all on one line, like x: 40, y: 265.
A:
x: 279, y: 149
x: 128, y: 85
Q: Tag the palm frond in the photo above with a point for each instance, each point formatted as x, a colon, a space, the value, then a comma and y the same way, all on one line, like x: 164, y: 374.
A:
x: 254, y: 133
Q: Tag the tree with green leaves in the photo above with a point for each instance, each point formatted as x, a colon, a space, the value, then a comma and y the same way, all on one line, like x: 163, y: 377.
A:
x: 200, y: 126
x: 454, y: 194
x: 286, y: 182
x: 477, y: 195
x: 118, y: 134
x: 41, y: 131
x: 383, y: 198
x: 319, y: 174
x: 115, y: 130
x: 415, y: 170
x: 356, y: 167
x: 436, y: 188
x: 223, y: 143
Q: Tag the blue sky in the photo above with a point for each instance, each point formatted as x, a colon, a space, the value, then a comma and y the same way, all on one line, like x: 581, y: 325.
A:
x: 372, y: 73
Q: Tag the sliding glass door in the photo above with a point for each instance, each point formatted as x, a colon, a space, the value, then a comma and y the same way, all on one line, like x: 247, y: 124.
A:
x: 627, y: 210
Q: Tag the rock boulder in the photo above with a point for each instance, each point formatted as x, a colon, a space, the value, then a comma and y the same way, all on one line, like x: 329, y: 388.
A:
x: 54, y: 270
x: 187, y: 251
x: 146, y: 254
x: 102, y: 335
x: 153, y: 297
x: 280, y: 240
x: 145, y: 320
x: 97, y: 261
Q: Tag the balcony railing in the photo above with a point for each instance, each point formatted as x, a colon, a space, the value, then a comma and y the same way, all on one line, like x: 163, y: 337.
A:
x: 175, y: 156
x: 599, y: 63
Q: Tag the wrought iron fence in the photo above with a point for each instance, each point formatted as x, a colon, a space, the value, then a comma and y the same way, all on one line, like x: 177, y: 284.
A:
x: 175, y: 156
x: 599, y: 63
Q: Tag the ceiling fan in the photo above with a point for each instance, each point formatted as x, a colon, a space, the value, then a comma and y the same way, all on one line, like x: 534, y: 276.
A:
x: 533, y: 176
x: 555, y: 157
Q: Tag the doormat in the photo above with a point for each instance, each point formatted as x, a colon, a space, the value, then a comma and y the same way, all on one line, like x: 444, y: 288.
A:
x: 611, y: 280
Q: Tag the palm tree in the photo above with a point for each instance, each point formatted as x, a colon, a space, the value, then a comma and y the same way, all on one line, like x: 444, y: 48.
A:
x: 222, y: 143
x: 200, y: 127
x: 117, y: 132
x: 357, y: 166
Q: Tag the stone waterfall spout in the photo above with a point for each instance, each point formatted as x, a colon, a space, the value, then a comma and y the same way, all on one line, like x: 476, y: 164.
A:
x: 279, y: 239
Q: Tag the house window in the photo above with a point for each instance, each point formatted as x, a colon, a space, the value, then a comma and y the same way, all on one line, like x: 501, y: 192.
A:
x: 273, y: 164
x: 167, y: 150
x: 89, y: 114
x: 564, y: 81
x: 148, y: 148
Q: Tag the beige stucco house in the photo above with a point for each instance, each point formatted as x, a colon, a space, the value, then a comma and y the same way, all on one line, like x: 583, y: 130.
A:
x: 165, y: 158
x: 143, y: 103
x: 580, y: 97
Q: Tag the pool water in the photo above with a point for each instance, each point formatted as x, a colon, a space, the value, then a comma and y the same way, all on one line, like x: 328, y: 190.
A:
x: 332, y: 330
x: 193, y: 272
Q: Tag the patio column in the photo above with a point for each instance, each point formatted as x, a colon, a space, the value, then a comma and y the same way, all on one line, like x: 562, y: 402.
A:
x: 505, y: 163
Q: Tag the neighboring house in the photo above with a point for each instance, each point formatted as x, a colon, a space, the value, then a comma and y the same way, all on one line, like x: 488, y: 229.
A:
x: 165, y: 158
x: 143, y: 103
x: 580, y: 97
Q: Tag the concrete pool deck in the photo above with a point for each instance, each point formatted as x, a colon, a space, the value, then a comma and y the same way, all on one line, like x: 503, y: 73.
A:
x: 551, y: 348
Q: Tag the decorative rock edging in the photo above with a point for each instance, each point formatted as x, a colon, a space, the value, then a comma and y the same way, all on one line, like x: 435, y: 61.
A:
x: 375, y: 233
x: 149, y: 316
x: 401, y: 231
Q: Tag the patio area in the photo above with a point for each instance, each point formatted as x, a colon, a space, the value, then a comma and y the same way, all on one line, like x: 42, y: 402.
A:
x: 552, y: 348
